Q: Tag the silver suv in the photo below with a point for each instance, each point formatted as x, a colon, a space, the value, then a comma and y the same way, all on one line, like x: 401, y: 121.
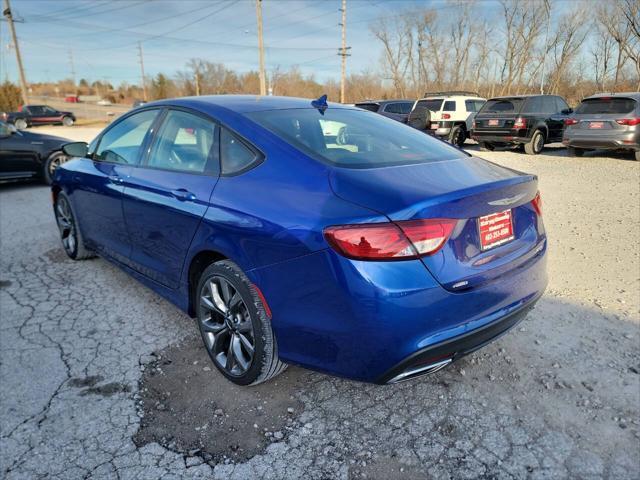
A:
x: 609, y: 121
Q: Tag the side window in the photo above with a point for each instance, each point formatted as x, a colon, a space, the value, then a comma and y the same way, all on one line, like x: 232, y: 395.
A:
x: 392, y: 108
x: 34, y: 110
x: 549, y: 104
x: 534, y: 105
x: 560, y: 104
x: 122, y: 142
x: 235, y: 155
x: 449, y: 106
x: 473, y: 105
x: 185, y: 143
x: 406, y: 107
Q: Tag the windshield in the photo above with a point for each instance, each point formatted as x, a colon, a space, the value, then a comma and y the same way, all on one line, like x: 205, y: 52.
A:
x: 502, y: 105
x: 606, y: 105
x: 354, y: 138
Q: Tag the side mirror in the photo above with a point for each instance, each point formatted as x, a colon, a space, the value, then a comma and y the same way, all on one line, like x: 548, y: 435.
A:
x: 76, y: 149
x: 567, y: 111
x: 12, y: 128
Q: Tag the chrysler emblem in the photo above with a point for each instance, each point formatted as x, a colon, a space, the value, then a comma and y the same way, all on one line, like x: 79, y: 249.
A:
x: 508, y: 200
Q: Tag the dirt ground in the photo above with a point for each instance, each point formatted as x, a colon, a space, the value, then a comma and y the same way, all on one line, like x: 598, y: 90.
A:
x: 102, y: 378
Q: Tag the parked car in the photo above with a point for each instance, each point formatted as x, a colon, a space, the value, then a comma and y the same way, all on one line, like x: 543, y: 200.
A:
x: 450, y: 114
x: 528, y: 120
x: 103, y: 102
x: 395, y: 109
x: 607, y: 121
x: 29, y: 155
x: 30, y: 115
x: 381, y: 258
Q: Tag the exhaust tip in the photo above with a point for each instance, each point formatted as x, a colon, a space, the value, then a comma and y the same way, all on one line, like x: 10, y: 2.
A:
x: 415, y: 372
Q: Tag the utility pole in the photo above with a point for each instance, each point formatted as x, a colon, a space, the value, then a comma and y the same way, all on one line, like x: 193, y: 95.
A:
x: 263, y: 84
x: 73, y: 71
x: 144, y: 80
x: 23, y: 81
x: 197, y: 75
x: 343, y: 51
x: 547, y: 7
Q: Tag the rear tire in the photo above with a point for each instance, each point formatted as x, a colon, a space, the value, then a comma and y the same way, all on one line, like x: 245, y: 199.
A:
x: 457, y: 136
x: 235, y: 327
x: 575, y: 152
x: 486, y: 147
x: 21, y: 124
x: 67, y: 121
x: 49, y: 168
x: 536, y: 144
x: 70, y: 233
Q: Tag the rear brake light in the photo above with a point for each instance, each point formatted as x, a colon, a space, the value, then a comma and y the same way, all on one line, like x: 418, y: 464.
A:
x: 390, y: 241
x: 570, y: 121
x: 520, y: 123
x: 446, y: 116
x: 628, y: 121
x: 537, y: 204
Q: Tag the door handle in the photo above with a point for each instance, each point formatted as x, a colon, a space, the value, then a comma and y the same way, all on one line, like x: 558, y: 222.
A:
x: 116, y: 179
x: 183, y: 195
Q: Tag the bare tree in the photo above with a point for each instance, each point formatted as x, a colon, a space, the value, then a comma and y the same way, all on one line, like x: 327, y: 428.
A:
x: 570, y: 34
x: 602, y: 53
x: 621, y: 19
x: 394, y: 37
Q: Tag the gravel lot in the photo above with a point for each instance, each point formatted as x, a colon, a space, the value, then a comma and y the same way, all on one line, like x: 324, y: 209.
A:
x: 101, y: 378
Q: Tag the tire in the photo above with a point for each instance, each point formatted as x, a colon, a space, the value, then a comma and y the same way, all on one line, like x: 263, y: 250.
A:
x: 70, y: 233
x: 21, y: 124
x: 457, y: 136
x: 575, y: 152
x: 536, y: 144
x: 67, y: 121
x: 420, y: 120
x: 235, y: 327
x: 54, y: 161
x: 486, y: 147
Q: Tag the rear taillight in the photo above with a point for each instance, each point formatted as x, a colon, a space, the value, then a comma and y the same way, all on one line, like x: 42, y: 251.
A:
x: 520, y: 123
x: 570, y: 121
x: 628, y: 121
x: 537, y: 204
x: 473, y: 125
x: 445, y: 116
x: 390, y: 241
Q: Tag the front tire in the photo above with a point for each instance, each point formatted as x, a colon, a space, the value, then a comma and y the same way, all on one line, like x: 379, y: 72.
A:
x: 21, y: 124
x: 49, y: 168
x: 67, y: 121
x: 457, y: 136
x: 575, y: 152
x: 70, y: 233
x: 235, y: 327
x: 536, y: 144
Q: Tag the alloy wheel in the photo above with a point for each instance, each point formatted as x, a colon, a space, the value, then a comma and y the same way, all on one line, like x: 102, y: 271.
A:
x: 55, y: 162
x: 67, y: 226
x: 226, y: 325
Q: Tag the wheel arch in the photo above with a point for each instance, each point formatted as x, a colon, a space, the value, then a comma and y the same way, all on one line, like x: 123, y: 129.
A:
x: 199, y: 262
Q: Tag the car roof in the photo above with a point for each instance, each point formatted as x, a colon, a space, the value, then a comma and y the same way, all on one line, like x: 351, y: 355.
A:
x: 443, y: 97
x: 525, y: 96
x: 242, y: 103
x: 634, y: 95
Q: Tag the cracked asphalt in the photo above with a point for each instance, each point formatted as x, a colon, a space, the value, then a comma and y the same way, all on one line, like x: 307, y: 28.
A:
x: 101, y: 378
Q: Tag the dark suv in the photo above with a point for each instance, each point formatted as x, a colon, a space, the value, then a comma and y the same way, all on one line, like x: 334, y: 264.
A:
x: 528, y: 120
x: 395, y: 109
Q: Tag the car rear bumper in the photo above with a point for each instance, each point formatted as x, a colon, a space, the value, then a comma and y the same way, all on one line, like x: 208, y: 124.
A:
x: 601, y: 142
x: 370, y: 321
x: 507, y: 137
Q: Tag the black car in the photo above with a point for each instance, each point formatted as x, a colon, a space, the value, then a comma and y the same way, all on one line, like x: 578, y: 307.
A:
x: 29, y: 155
x: 30, y: 115
x: 395, y: 109
x: 528, y: 120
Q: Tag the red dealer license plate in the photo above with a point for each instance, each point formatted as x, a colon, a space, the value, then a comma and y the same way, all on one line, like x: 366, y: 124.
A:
x: 495, y: 229
x: 493, y: 123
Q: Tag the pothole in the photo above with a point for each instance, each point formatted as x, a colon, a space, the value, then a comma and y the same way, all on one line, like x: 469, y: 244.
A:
x: 190, y: 408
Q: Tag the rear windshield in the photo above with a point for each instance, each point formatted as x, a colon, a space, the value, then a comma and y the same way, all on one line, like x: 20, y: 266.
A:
x: 354, y: 139
x: 502, y: 105
x: 607, y: 105
x: 432, y: 104
x: 372, y: 107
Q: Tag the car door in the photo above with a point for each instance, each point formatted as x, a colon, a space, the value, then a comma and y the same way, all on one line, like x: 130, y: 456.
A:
x: 50, y: 115
x: 35, y: 114
x: 166, y: 197
x: 98, y: 183
x: 561, y: 113
x: 18, y: 158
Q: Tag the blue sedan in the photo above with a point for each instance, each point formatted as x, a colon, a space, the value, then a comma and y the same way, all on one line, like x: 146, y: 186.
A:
x: 309, y: 233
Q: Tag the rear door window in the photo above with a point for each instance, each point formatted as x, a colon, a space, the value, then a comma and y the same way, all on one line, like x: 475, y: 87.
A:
x: 604, y: 105
x: 561, y: 104
x: 534, y: 105
x: 549, y: 105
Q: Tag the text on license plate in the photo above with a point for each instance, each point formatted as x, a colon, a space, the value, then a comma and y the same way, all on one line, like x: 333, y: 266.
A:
x: 596, y: 124
x: 495, y: 229
x: 493, y: 123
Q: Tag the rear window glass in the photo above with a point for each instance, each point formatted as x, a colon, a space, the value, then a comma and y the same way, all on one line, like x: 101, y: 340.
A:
x: 449, y: 106
x: 354, y: 139
x: 607, y: 105
x: 432, y: 104
x: 372, y: 107
x: 502, y: 105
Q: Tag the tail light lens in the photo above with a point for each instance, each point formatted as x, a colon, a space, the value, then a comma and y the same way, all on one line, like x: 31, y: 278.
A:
x: 520, y: 123
x: 537, y: 204
x: 628, y: 121
x: 446, y: 116
x: 570, y: 121
x: 390, y: 241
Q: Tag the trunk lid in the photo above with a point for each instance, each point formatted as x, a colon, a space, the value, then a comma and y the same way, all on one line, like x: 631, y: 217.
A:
x: 463, y: 189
